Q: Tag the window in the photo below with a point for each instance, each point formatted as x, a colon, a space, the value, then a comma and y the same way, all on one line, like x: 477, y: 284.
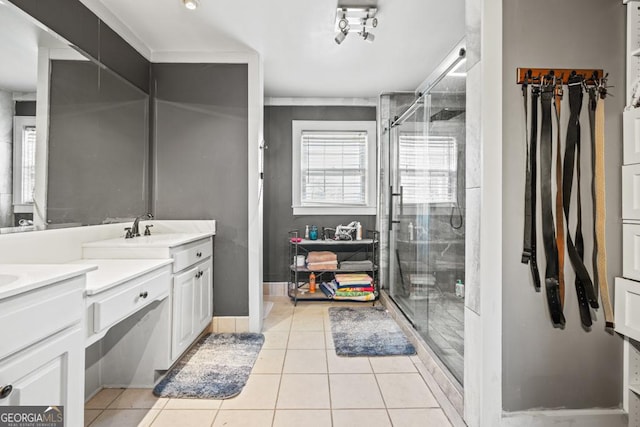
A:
x: 334, y: 167
x: 427, y: 167
x: 24, y: 163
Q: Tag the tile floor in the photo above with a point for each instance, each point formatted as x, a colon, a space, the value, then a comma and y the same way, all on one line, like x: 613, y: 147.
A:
x: 297, y: 381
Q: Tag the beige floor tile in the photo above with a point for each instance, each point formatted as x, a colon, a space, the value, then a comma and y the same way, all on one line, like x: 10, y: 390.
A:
x: 307, y: 323
x: 184, y: 418
x: 419, y: 418
x: 347, y: 365
x: 259, y: 393
x: 276, y: 324
x: 103, y: 398
x: 303, y: 391
x: 90, y: 415
x: 275, y: 340
x: 361, y: 417
x: 138, y: 398
x: 354, y: 391
x: 269, y: 362
x: 306, y: 340
x: 405, y: 391
x: 305, y: 362
x: 192, y: 404
x: 243, y: 418
x: 126, y: 418
x: 306, y: 418
x: 392, y: 364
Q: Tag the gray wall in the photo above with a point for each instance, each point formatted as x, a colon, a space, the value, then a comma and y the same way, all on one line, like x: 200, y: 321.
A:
x: 200, y: 152
x: 98, y: 137
x: 84, y: 30
x: 278, y: 214
x: 545, y: 367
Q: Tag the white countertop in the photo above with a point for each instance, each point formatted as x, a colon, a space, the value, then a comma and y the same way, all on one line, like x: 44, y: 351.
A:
x: 154, y: 241
x: 113, y: 272
x: 19, y: 278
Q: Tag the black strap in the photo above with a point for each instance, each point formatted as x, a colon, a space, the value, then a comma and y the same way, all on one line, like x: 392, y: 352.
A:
x: 548, y: 227
x: 593, y: 101
x: 529, y: 253
x: 526, y: 238
x: 583, y: 284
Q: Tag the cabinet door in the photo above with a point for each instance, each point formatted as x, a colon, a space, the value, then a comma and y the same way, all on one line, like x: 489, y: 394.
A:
x: 204, y: 300
x: 50, y: 373
x: 184, y: 289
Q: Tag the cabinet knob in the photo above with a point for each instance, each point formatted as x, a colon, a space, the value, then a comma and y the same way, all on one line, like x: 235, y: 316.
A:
x: 199, y: 254
x: 144, y: 294
x: 198, y: 274
x: 6, y: 391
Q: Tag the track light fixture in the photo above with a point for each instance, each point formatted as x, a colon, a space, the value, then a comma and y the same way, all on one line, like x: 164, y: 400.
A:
x: 355, y: 20
x: 191, y: 4
x: 342, y: 35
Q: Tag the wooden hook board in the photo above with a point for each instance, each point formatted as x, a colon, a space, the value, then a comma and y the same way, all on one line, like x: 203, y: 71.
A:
x: 563, y: 73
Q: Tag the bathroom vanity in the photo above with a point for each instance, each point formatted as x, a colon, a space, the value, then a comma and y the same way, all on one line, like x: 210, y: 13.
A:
x: 42, y: 348
x: 103, y: 312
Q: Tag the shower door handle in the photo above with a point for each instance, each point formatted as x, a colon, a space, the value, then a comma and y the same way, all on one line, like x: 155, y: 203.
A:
x: 392, y: 195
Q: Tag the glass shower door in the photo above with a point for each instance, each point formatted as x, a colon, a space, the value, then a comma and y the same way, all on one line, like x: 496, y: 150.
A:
x: 426, y: 221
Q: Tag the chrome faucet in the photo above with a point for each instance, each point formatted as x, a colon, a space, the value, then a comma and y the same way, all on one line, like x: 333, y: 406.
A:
x: 133, y: 231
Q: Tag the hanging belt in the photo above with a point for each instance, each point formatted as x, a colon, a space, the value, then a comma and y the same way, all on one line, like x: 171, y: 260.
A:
x: 593, y: 99
x: 548, y: 232
x: 557, y: 102
x: 583, y: 284
x: 600, y: 203
x: 529, y: 240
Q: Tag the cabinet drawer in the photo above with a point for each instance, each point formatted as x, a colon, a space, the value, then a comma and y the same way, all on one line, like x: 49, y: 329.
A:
x: 631, y: 192
x: 631, y: 127
x: 631, y: 251
x: 29, y: 318
x: 627, y: 307
x: 130, y: 299
x: 187, y: 255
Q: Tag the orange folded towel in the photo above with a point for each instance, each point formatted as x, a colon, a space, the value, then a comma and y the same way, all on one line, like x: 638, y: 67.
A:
x: 321, y: 256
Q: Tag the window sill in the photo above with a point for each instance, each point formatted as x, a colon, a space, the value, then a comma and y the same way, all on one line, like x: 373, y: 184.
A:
x: 334, y: 210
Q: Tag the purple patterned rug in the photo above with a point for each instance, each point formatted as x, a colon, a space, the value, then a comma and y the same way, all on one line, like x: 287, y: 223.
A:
x: 367, y: 331
x: 217, y: 367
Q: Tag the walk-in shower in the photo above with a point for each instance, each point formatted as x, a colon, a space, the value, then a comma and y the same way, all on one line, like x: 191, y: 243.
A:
x: 422, y: 208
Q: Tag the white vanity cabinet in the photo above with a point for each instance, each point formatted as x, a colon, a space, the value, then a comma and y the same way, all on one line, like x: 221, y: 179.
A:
x: 191, y: 290
x: 192, y: 305
x: 42, y: 346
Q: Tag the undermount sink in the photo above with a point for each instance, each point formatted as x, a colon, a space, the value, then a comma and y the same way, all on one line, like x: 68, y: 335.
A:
x: 6, y: 279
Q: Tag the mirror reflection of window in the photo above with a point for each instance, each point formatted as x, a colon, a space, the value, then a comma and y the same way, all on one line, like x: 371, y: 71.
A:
x: 24, y: 171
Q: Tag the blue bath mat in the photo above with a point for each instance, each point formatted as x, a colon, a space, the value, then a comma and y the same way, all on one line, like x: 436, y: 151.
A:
x: 367, y: 331
x: 217, y: 367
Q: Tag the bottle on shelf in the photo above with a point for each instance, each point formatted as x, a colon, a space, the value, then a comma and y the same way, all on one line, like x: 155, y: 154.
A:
x: 306, y: 232
x: 359, y: 231
x: 312, y: 283
x: 459, y: 289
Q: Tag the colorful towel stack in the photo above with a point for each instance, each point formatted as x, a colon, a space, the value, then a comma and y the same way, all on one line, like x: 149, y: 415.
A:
x: 354, y: 286
x: 322, y: 260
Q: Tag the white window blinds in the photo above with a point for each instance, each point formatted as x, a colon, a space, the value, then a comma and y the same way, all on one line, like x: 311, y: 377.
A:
x: 427, y: 167
x: 334, y: 167
x: 27, y: 166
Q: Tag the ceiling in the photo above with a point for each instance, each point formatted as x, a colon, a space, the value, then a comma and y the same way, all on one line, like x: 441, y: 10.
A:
x: 295, y: 39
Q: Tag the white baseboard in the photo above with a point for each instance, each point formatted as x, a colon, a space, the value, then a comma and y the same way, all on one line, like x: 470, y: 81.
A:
x: 275, y: 289
x: 230, y: 324
x: 566, y: 418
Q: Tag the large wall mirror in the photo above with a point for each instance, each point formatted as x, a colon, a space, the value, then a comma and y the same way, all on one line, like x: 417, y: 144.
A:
x: 73, y: 135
